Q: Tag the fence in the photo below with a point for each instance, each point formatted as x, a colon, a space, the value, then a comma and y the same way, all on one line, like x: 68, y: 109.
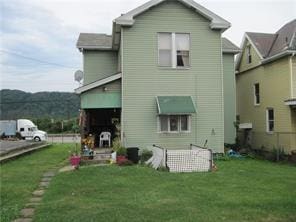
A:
x: 197, y: 159
x: 63, y: 138
x: 285, y: 141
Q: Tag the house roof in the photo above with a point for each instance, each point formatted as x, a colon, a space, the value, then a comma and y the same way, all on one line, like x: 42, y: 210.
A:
x: 217, y: 22
x: 94, y: 41
x: 229, y: 47
x: 271, y: 46
x: 262, y: 41
x: 285, y: 40
x: 98, y: 83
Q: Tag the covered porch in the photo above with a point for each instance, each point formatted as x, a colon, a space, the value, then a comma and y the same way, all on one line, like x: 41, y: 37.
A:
x: 100, y: 111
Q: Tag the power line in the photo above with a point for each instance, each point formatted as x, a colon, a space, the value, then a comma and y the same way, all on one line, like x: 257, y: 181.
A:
x: 36, y: 60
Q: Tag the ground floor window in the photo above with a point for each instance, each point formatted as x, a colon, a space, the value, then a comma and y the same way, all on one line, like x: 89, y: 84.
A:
x: 174, y: 123
x: 269, y: 120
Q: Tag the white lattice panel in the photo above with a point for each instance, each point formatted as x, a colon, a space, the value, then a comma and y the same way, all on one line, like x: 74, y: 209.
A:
x: 196, y: 160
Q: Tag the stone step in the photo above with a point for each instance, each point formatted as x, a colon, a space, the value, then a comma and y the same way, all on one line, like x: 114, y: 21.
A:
x: 102, y: 156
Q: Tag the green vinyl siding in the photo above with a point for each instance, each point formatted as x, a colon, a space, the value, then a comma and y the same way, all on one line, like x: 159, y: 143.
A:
x: 143, y: 80
x: 98, y: 65
x: 105, y: 96
x: 175, y: 105
x: 229, y: 98
x: 101, y: 100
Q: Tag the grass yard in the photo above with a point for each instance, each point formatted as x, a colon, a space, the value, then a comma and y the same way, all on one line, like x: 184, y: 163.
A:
x: 20, y: 177
x: 241, y: 190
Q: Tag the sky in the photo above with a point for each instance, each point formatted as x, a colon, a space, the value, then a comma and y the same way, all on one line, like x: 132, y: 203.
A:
x: 38, y: 37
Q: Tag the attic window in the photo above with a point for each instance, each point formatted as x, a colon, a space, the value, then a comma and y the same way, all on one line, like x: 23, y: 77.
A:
x: 173, y: 50
x: 249, y: 56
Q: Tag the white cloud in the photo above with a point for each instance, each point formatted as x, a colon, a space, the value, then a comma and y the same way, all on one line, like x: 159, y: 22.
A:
x: 48, y: 29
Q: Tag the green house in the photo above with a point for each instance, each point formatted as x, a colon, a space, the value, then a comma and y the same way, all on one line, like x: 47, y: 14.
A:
x: 165, y: 74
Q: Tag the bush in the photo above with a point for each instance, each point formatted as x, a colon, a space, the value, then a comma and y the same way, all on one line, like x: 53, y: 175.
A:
x: 146, y: 155
x: 118, y: 148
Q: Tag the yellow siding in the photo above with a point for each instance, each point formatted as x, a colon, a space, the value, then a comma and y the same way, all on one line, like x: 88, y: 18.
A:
x: 244, y: 65
x: 274, y: 80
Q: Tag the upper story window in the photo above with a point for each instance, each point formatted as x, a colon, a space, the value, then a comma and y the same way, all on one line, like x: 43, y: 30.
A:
x: 269, y: 120
x: 256, y: 94
x: 174, y: 50
x: 249, y: 56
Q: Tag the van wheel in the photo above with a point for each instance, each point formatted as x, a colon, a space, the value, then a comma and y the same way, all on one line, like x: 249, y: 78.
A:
x: 37, y: 139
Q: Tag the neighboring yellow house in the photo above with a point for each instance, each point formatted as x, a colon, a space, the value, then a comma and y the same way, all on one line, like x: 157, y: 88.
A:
x: 266, y: 89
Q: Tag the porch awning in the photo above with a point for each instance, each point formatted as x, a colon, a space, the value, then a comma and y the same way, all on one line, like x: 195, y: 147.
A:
x: 290, y: 102
x: 175, y: 105
x: 100, y: 100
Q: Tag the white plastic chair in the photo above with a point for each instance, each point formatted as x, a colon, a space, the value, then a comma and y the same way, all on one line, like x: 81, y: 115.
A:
x: 105, y: 136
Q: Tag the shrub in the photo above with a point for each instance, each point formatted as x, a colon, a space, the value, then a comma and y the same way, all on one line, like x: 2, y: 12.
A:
x: 146, y: 155
x: 118, y: 148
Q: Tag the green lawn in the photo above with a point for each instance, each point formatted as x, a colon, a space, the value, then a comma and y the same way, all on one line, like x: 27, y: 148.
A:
x: 241, y: 190
x: 20, y: 177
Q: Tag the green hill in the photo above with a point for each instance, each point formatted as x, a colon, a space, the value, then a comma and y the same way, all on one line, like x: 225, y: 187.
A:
x: 16, y: 104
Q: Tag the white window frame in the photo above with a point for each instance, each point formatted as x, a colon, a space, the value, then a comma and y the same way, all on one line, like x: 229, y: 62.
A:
x: 179, y: 124
x: 268, y: 120
x: 174, y: 51
x: 254, y: 92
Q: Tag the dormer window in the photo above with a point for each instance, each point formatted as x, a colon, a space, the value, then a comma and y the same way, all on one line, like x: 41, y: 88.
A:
x: 249, y: 56
x: 174, y: 50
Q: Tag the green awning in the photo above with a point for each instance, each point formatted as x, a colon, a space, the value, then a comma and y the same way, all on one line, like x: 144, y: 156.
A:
x: 100, y: 100
x: 175, y: 105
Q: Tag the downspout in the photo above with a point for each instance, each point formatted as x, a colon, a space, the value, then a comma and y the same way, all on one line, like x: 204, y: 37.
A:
x: 291, y: 75
x: 222, y: 84
x: 122, y: 137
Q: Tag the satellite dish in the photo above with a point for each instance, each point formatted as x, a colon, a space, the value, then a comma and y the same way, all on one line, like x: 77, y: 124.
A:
x: 78, y: 76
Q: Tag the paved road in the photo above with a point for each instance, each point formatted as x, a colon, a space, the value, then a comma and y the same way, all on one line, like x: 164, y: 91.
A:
x: 8, y: 146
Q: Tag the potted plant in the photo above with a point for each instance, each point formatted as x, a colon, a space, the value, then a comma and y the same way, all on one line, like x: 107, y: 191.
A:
x: 119, y: 149
x: 121, y: 154
x: 75, y: 158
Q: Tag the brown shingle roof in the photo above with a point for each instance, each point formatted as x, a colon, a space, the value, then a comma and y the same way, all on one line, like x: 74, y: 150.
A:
x: 262, y: 41
x: 284, y: 38
x: 272, y: 44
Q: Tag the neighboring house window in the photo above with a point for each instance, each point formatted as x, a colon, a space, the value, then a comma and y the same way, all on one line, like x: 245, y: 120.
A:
x: 173, y: 50
x: 22, y: 129
x: 256, y: 94
x: 174, y: 123
x: 269, y: 120
x: 249, y: 54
